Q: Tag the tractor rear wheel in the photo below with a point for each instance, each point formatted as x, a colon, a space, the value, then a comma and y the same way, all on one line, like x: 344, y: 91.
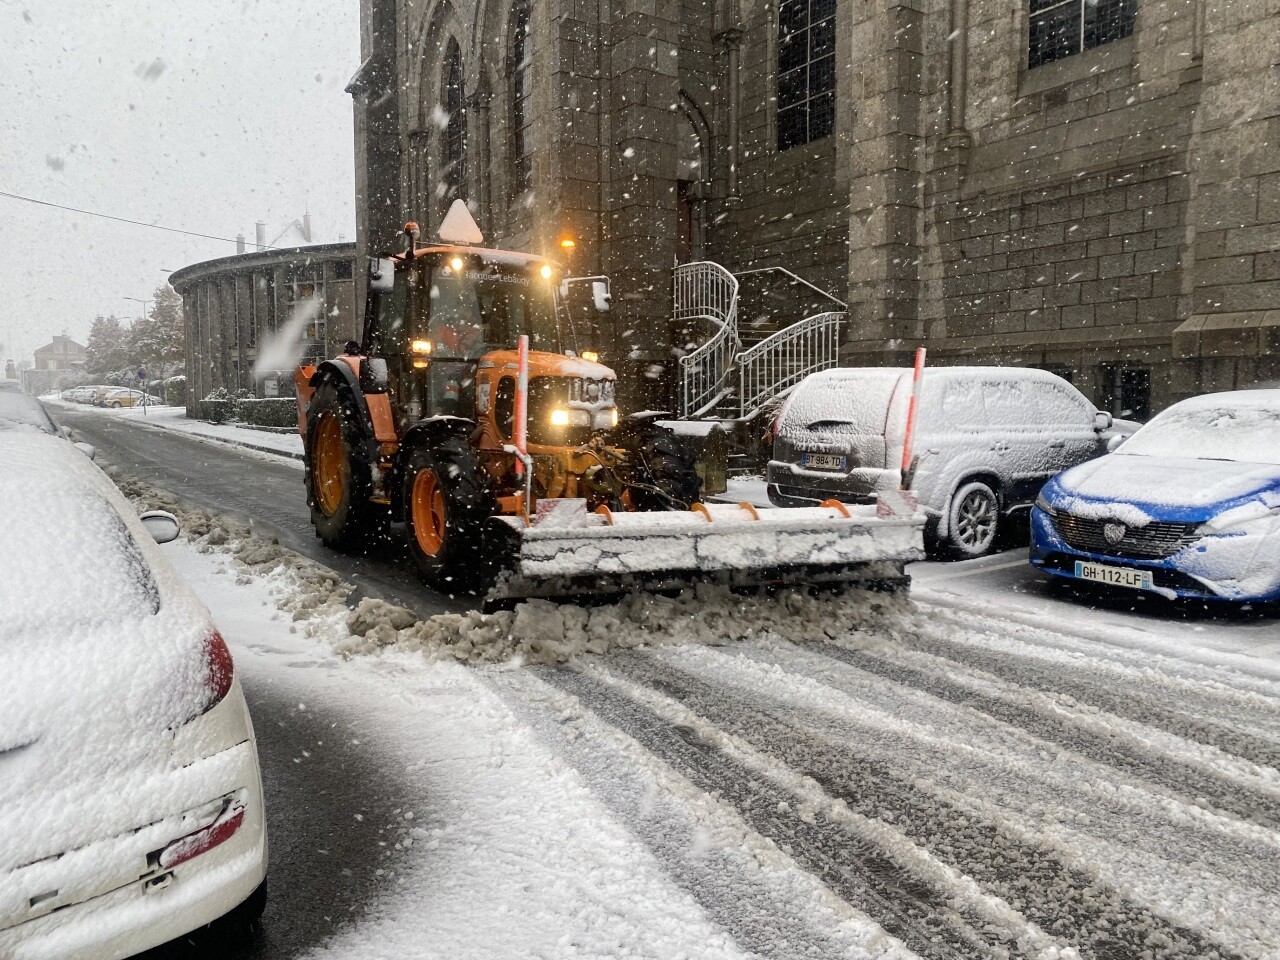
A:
x: 446, y: 503
x: 337, y: 476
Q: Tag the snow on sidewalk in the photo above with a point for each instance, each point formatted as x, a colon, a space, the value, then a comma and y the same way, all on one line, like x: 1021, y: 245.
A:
x: 175, y: 418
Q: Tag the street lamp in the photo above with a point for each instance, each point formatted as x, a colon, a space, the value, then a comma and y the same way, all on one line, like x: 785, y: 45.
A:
x: 145, y: 304
x: 142, y: 382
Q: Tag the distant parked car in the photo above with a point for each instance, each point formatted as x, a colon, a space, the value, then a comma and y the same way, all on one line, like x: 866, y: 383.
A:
x: 987, y: 438
x: 117, y: 397
x: 83, y: 394
x: 131, y: 805
x: 1187, y: 506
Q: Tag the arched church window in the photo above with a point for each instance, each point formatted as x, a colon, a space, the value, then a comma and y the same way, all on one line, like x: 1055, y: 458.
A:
x: 521, y: 95
x: 453, y: 102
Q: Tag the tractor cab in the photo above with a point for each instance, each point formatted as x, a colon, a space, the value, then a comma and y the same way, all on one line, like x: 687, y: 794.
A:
x: 446, y: 309
x: 439, y: 315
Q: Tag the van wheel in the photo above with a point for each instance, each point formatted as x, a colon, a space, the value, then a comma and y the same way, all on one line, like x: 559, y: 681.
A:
x: 974, y: 521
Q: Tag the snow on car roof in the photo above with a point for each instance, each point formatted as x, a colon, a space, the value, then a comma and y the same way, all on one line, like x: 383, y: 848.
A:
x: 22, y: 410
x: 68, y: 558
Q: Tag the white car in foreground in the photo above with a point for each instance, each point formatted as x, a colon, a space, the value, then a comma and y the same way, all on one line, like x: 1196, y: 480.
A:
x: 131, y: 805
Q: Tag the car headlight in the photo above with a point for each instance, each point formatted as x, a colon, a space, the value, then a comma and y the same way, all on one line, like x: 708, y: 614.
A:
x: 1042, y: 503
x: 1254, y: 516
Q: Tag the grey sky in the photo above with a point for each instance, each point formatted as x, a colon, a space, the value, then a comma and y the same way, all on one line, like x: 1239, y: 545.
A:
x: 202, y: 115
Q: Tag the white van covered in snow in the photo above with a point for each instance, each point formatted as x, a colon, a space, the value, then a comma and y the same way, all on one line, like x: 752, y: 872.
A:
x: 987, y: 439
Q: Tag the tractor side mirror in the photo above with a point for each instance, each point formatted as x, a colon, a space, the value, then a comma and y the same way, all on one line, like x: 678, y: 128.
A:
x: 600, y: 296
x: 373, y: 375
x: 382, y: 275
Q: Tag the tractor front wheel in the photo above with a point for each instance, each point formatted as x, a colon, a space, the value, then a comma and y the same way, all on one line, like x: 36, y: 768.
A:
x: 446, y: 503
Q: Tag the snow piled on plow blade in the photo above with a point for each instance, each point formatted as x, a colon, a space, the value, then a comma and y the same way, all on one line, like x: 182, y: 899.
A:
x: 733, y: 545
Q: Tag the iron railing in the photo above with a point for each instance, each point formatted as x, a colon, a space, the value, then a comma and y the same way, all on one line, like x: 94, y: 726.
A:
x: 707, y: 293
x: 775, y: 365
x: 793, y: 279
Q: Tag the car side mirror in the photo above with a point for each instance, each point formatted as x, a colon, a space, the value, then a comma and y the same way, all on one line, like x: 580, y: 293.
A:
x: 1102, y: 420
x: 382, y: 275
x: 1114, y: 443
x: 88, y: 449
x: 162, y: 525
x: 65, y: 431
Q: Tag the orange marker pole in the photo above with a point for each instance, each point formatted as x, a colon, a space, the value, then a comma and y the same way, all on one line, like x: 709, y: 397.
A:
x: 520, y: 430
x: 909, y: 436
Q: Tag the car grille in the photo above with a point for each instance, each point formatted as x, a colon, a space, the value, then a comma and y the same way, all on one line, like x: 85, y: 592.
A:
x: 1153, y: 541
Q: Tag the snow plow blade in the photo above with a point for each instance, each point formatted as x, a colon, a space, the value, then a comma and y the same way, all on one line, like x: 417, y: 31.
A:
x: 574, y: 553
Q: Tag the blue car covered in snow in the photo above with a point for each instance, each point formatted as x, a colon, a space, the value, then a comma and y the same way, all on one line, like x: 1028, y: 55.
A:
x: 1188, y: 506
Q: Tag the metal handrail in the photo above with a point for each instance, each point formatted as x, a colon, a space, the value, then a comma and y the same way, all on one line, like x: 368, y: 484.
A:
x: 707, y: 291
x: 798, y: 279
x: 776, y: 364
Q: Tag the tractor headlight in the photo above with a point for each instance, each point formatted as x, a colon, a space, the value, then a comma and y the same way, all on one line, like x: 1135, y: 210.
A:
x: 569, y: 417
x: 604, y: 419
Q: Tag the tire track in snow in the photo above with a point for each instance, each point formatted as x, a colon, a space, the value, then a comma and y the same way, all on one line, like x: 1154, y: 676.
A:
x: 1065, y: 901
x: 858, y: 872
x: 1184, y: 779
x: 749, y: 889
x: 1135, y: 648
x: 975, y: 754
x: 1072, y: 682
x: 1152, y: 846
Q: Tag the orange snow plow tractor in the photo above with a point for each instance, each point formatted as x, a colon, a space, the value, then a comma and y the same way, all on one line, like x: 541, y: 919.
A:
x: 474, y: 414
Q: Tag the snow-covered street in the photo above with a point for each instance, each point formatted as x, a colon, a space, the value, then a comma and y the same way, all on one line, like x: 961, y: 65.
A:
x: 898, y: 778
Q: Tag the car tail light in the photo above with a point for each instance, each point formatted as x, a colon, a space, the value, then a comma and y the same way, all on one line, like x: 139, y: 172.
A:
x: 204, y: 839
x: 220, y: 671
x: 776, y: 424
